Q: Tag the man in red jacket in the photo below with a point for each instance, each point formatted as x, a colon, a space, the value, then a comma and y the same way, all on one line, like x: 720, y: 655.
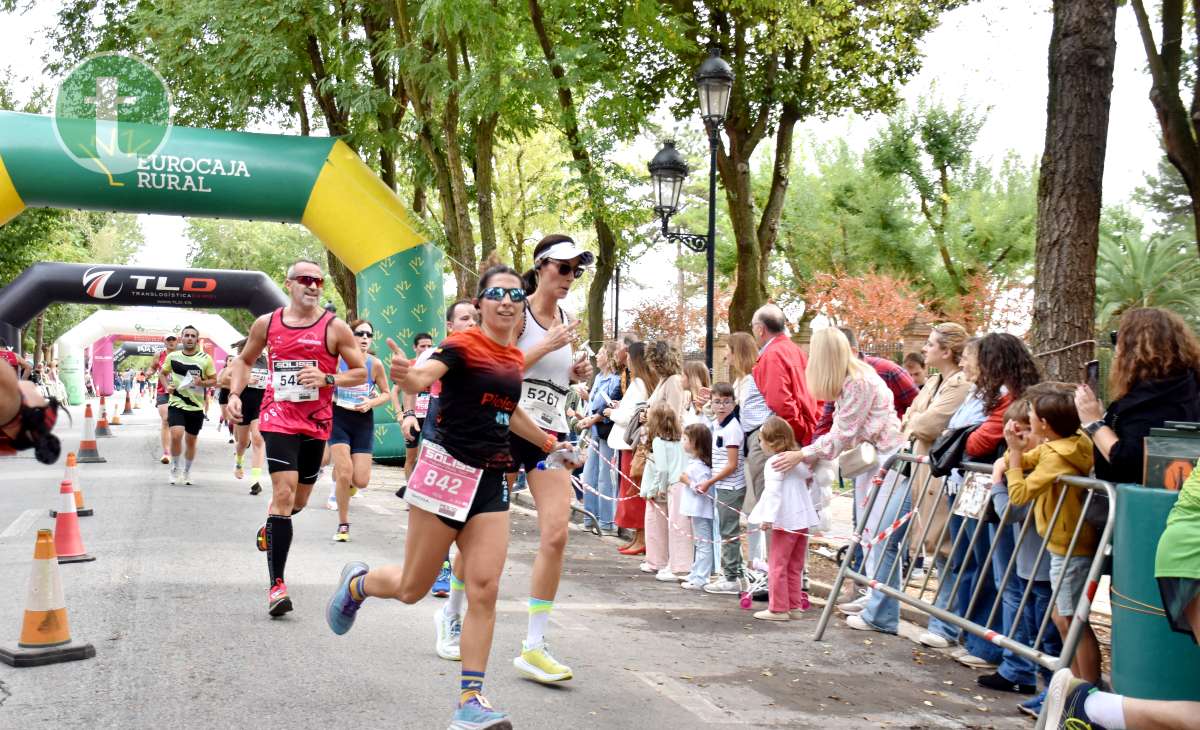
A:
x: 779, y: 373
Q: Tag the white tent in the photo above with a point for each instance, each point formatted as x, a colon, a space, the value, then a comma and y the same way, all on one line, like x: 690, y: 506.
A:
x: 133, y: 320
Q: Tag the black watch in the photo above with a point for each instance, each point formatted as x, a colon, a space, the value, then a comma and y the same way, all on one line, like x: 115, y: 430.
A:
x: 328, y: 379
x: 1091, y: 428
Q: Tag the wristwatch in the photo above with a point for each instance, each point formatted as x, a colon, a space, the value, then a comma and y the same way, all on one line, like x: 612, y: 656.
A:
x: 1091, y: 428
x: 328, y: 379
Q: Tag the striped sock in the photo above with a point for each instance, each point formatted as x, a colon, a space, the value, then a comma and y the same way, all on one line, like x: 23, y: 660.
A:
x: 472, y: 686
x: 358, y: 588
x: 539, y: 615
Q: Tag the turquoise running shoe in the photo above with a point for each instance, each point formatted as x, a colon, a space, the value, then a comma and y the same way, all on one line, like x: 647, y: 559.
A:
x: 477, y: 714
x: 342, y: 609
x: 441, y: 586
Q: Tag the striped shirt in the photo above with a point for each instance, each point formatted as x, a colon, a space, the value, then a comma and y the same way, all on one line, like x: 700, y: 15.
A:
x: 725, y: 435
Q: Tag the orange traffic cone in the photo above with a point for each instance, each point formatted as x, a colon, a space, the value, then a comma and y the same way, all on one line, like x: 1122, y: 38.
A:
x: 67, y: 541
x: 45, y: 634
x: 128, y: 404
x: 72, y: 476
x: 116, y: 419
x: 102, y: 429
x: 88, y: 453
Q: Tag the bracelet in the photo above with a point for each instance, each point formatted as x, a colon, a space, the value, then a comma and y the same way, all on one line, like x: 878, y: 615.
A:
x: 549, y: 444
x: 410, y: 413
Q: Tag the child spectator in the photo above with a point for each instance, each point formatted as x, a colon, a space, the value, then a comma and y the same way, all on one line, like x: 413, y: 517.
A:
x: 785, y: 511
x: 729, y: 480
x: 664, y: 552
x: 1016, y: 673
x: 1064, y: 451
x: 697, y: 505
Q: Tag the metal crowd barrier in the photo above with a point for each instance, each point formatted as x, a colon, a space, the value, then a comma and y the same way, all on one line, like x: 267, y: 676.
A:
x: 891, y: 482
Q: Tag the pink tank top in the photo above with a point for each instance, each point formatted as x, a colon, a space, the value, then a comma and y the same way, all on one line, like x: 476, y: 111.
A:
x: 287, y: 406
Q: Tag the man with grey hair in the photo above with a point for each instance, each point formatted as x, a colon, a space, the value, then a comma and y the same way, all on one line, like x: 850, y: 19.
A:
x: 776, y: 387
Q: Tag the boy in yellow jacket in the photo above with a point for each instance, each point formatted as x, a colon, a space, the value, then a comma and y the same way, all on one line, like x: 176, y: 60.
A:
x: 1063, y: 451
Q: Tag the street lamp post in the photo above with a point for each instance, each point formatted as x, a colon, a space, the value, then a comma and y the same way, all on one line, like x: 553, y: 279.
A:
x: 668, y: 169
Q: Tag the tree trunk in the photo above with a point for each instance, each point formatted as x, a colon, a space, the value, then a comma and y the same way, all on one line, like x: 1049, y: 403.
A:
x: 485, y: 142
x: 606, y: 240
x: 1082, y: 49
x: 1177, y: 122
x: 739, y: 195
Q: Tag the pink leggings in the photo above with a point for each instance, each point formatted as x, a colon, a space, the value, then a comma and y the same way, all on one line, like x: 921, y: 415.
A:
x: 669, y: 534
x: 785, y: 568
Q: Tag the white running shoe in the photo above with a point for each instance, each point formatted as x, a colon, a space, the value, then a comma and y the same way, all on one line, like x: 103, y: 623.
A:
x: 449, y: 632
x: 666, y: 576
x: 853, y: 607
x: 928, y: 638
x: 174, y: 474
x: 647, y: 568
x: 187, y: 477
x: 331, y: 503
x: 724, y: 587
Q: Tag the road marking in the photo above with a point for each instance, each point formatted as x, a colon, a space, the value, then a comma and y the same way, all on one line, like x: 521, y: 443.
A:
x: 379, y: 509
x: 21, y: 524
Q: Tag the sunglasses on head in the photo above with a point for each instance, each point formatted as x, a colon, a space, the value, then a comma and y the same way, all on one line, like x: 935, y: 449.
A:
x: 304, y: 280
x: 496, y: 294
x: 364, y: 333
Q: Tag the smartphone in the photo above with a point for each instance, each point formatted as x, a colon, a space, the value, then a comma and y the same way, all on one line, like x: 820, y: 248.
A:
x: 1092, y: 375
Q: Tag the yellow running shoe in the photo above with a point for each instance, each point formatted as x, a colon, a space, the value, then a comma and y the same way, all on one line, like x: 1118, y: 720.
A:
x: 537, y: 664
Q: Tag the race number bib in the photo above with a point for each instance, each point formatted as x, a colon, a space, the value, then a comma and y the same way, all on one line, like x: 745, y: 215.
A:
x: 421, y: 407
x: 972, y: 498
x: 349, y: 397
x: 259, y: 377
x: 442, y: 484
x: 285, y: 381
x: 545, y: 403
x: 189, y: 381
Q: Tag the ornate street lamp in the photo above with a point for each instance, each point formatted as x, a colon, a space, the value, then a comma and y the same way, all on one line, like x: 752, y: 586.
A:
x: 668, y: 169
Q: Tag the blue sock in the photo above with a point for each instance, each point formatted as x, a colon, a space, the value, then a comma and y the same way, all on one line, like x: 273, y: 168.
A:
x: 472, y: 685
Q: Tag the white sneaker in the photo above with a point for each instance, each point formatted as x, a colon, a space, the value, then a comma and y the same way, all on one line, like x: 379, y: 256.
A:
x: 974, y: 662
x: 174, y: 474
x: 666, y: 576
x: 723, y: 587
x: 647, y: 568
x: 958, y: 651
x: 854, y: 607
x: 331, y: 503
x: 859, y: 623
x: 187, y: 477
x: 449, y: 631
x: 687, y: 585
x: 928, y: 638
x: 769, y: 615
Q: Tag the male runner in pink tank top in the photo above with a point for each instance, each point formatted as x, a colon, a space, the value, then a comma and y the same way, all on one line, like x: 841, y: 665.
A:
x: 303, y: 343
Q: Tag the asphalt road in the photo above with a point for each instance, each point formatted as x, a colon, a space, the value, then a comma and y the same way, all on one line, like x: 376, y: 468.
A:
x: 175, y: 605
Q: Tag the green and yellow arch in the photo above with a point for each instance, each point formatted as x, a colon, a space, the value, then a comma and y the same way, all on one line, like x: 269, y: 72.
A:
x: 318, y: 182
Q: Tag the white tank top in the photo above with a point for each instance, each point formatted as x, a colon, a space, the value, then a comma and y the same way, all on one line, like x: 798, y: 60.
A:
x: 544, y: 390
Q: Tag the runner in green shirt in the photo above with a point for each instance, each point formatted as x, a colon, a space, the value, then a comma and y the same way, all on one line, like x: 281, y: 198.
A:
x: 185, y: 374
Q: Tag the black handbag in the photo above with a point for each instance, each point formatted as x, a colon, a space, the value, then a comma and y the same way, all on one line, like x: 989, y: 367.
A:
x: 947, y: 452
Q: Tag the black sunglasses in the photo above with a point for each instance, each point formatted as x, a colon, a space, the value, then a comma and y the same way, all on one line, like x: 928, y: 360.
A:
x: 364, y: 333
x: 305, y: 280
x: 496, y: 294
x: 565, y: 268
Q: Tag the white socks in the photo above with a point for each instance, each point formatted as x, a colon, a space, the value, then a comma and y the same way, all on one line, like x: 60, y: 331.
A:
x: 1105, y: 708
x: 458, y: 592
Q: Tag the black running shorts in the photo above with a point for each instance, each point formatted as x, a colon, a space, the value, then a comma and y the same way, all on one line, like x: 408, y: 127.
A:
x: 294, y: 452
x: 191, y: 421
x: 492, y: 496
x: 252, y: 399
x: 527, y: 455
x: 353, y: 429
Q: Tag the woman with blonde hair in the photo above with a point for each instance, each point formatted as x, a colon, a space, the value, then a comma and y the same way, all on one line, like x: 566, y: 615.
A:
x: 865, y: 409
x: 631, y: 509
x: 696, y: 384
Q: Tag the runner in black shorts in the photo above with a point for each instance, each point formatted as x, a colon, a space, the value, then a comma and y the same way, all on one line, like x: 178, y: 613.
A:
x: 482, y: 375
x: 353, y: 438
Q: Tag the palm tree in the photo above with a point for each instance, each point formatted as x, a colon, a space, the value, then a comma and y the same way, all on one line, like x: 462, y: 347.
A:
x: 1155, y: 271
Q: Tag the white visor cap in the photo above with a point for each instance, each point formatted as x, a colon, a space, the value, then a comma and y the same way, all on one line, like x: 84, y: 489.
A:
x: 566, y: 251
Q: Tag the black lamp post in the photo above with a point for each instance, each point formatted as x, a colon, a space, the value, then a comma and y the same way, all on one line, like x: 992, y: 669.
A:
x: 714, y: 81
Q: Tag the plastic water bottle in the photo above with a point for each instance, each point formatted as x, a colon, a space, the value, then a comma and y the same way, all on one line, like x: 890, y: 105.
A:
x: 561, y: 459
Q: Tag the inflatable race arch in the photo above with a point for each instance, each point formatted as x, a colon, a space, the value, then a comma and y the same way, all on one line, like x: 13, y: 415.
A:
x: 318, y: 182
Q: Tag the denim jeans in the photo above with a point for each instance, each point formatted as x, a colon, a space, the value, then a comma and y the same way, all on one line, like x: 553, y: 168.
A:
x: 704, y: 564
x: 883, y: 612
x: 947, y: 570
x: 598, y: 474
x: 979, y: 575
x: 1013, y: 667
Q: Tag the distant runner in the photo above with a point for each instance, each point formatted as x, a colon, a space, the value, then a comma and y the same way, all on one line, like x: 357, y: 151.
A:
x: 161, y: 397
x: 185, y: 375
